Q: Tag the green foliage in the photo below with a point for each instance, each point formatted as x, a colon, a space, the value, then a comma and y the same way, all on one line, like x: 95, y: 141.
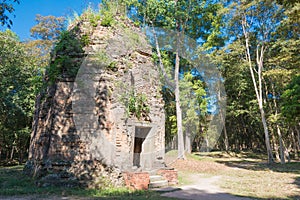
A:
x: 91, y: 16
x: 193, y: 104
x: 68, y: 53
x: 108, y: 12
x: 107, y: 18
x: 94, y: 20
x: 199, y: 20
x: 113, y: 66
x: 291, y: 101
x: 68, y: 44
x: 170, y: 110
x: 135, y: 104
x: 193, y: 95
x: 20, y: 81
x: 85, y: 40
x: 101, y: 58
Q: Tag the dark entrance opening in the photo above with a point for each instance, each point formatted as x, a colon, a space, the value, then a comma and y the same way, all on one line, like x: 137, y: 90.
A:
x: 140, y: 136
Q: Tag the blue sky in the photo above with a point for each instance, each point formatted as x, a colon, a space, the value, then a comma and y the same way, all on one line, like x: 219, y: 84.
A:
x: 27, y: 9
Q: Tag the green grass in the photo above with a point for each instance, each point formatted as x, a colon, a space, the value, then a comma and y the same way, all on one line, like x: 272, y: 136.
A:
x: 14, y: 183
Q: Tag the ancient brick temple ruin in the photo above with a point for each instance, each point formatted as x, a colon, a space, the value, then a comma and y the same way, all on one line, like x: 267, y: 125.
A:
x: 107, y: 118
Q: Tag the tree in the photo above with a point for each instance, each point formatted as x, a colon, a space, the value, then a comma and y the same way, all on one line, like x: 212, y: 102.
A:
x: 257, y: 63
x: 192, y: 18
x: 20, y: 82
x: 194, y: 106
x: 7, y: 6
x: 259, y: 20
x: 291, y: 101
x: 46, y: 33
x: 48, y: 28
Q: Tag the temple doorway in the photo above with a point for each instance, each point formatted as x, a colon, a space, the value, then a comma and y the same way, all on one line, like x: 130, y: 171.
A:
x: 141, y: 134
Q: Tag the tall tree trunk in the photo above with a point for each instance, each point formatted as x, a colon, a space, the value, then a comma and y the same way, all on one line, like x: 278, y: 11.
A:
x: 281, y: 146
x: 263, y: 119
x: 286, y: 152
x: 282, y: 160
x: 226, y: 138
x: 226, y: 143
x: 258, y: 89
x: 298, y: 134
x: 178, y: 108
x: 295, y: 144
x: 12, y: 152
x: 207, y: 143
x: 161, y: 65
x: 275, y: 145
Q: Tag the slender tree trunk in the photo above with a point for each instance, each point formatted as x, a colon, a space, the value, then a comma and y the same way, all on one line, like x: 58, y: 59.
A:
x: 295, y: 145
x: 258, y: 89
x: 226, y: 139
x: 188, y: 141
x: 180, y: 138
x: 281, y: 147
x: 21, y: 155
x: 282, y: 160
x: 12, y: 152
x: 226, y: 143
x: 275, y: 145
x: 286, y: 152
x: 207, y: 143
x: 267, y: 137
x: 178, y: 108
x: 297, y: 138
x: 298, y: 135
x: 7, y: 155
x: 161, y: 65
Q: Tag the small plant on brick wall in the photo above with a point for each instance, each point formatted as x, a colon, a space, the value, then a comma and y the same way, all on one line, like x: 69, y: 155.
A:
x: 136, y: 104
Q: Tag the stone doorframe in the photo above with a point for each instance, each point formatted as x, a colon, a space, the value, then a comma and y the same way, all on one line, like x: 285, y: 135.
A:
x: 148, y: 150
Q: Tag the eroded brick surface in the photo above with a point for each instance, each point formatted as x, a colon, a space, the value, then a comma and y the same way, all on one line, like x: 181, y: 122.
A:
x: 82, y: 133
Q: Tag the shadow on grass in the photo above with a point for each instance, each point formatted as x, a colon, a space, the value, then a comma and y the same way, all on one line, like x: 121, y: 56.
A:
x: 251, y: 161
x: 239, y: 154
x: 296, y: 182
x: 14, y: 183
x: 195, y: 193
x: 292, y: 167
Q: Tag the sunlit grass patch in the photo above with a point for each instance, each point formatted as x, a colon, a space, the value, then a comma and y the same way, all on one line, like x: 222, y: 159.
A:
x: 244, y: 174
x: 259, y: 184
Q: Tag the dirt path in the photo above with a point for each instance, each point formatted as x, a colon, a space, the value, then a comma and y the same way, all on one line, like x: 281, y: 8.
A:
x: 202, y: 188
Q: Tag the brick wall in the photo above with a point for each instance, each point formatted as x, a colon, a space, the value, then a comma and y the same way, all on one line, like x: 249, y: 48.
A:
x: 136, y: 180
x: 170, y: 175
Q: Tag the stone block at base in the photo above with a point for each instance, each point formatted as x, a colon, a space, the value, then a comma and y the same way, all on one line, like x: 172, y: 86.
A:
x: 136, y: 180
x: 171, y: 175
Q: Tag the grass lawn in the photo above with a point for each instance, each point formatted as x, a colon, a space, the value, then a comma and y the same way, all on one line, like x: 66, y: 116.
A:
x: 14, y: 183
x: 244, y: 174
